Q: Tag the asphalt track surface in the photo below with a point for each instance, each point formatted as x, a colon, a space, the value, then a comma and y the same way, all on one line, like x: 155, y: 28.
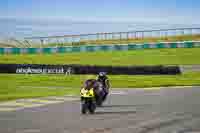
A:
x: 129, y: 111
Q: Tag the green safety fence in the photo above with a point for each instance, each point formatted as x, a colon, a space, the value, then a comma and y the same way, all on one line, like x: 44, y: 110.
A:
x: 160, y: 45
x: 189, y: 45
x: 173, y: 45
x: 61, y: 50
x: 15, y: 50
x: 75, y: 49
x: 1, y: 50
x: 146, y: 46
x: 131, y: 46
x: 92, y: 48
x: 32, y: 50
x: 46, y: 50
x: 105, y: 48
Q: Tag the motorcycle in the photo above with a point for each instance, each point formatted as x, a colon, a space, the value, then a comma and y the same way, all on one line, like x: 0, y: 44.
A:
x: 92, y: 97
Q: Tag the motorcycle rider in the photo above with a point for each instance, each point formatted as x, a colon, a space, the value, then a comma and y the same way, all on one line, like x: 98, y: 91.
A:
x: 104, y: 80
x: 87, y: 90
x: 88, y: 97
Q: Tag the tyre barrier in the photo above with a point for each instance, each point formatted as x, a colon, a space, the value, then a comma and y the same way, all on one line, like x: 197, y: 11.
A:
x: 87, y: 69
x: 93, y: 48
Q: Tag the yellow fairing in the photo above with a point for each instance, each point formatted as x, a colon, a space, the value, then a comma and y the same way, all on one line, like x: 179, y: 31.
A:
x: 87, y: 93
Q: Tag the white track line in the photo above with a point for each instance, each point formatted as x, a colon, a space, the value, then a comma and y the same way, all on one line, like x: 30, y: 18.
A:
x: 32, y: 102
x: 118, y: 93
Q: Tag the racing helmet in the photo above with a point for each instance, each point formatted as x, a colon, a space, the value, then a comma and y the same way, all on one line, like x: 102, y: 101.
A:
x: 88, y: 83
x: 101, y: 74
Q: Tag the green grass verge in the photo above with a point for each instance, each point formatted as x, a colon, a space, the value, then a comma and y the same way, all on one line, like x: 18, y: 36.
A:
x: 177, y: 56
x: 13, y: 86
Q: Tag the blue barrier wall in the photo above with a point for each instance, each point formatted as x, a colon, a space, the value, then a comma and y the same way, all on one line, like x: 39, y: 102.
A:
x: 93, y: 48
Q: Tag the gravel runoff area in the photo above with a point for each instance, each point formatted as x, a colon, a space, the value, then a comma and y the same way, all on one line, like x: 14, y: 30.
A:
x: 164, y: 110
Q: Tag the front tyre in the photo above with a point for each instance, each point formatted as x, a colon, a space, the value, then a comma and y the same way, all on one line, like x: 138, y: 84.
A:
x: 83, y: 108
x: 92, y: 108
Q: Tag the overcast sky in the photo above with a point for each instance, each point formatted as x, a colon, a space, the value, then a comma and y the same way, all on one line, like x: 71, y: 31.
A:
x: 177, y: 11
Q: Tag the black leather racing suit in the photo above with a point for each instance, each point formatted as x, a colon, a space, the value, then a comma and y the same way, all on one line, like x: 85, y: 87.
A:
x: 105, y: 82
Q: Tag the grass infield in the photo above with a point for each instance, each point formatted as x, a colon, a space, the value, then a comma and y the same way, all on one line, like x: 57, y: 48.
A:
x: 13, y: 86
x: 176, y: 56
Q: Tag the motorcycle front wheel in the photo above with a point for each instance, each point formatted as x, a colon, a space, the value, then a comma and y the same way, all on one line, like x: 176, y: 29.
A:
x: 83, y: 108
x: 92, y: 107
x: 88, y: 105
